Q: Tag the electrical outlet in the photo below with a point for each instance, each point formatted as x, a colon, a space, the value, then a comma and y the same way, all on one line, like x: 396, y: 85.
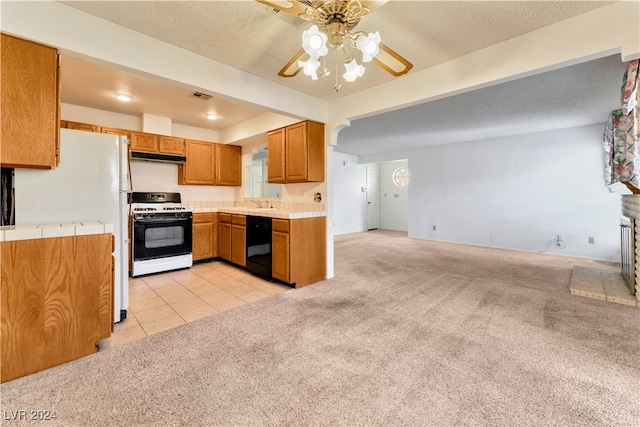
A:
x: 434, y: 228
x: 592, y: 240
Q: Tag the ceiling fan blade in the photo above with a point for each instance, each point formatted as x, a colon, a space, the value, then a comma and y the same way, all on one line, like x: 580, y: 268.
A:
x: 292, y: 68
x: 391, y: 61
x: 373, y: 4
x: 292, y: 7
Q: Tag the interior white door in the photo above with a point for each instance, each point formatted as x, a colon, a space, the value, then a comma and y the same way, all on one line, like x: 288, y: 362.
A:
x: 373, y: 192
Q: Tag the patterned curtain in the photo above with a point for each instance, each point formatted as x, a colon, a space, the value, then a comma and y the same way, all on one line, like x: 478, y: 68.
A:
x: 622, y: 133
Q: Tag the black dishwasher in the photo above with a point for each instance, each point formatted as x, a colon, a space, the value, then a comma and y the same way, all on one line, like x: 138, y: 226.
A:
x: 259, y: 245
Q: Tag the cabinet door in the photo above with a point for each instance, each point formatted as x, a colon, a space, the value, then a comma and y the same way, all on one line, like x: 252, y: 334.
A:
x: 296, y: 153
x: 146, y: 142
x: 228, y: 165
x: 29, y: 105
x: 275, y: 155
x: 81, y: 126
x: 76, y: 296
x: 280, y: 256
x: 239, y: 244
x: 116, y: 131
x: 171, y: 145
x: 199, y: 169
x: 224, y: 241
x: 24, y: 271
x: 202, y: 240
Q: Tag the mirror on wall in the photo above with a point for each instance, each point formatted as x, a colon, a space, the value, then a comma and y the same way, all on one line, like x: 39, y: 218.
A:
x: 259, y: 187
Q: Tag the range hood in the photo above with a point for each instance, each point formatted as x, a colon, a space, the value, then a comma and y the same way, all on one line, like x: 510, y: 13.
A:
x: 157, y: 157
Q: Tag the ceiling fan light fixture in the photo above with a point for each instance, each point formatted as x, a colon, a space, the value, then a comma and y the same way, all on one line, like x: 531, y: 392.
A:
x: 354, y: 70
x: 310, y: 67
x: 314, y: 42
x: 369, y: 45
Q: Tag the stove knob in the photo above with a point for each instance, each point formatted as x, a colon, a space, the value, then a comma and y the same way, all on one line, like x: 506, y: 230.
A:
x: 183, y: 214
x: 151, y: 214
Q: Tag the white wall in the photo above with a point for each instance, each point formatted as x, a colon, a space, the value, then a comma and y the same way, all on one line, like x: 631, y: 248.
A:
x: 76, y: 113
x: 155, y: 176
x: 394, y: 202
x: 515, y: 192
x: 349, y: 200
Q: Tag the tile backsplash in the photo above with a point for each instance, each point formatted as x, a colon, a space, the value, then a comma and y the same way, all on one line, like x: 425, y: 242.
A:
x: 276, y: 203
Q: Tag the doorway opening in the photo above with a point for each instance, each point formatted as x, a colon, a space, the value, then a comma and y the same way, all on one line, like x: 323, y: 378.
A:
x: 387, y: 195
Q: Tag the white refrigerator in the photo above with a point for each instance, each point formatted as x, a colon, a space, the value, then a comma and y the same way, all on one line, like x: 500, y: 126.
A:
x: 91, y: 184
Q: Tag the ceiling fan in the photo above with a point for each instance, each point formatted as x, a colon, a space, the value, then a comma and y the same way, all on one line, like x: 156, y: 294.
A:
x: 333, y: 22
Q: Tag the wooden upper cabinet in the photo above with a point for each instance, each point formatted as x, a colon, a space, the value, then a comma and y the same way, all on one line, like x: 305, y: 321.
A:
x: 30, y: 104
x: 146, y: 142
x: 228, y: 165
x: 296, y: 153
x: 116, y: 131
x: 200, y: 166
x: 79, y: 126
x: 172, y: 145
x: 275, y: 155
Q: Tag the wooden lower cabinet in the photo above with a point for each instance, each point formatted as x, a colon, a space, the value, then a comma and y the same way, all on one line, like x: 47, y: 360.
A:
x: 205, y: 236
x: 232, y: 238
x: 239, y: 244
x: 298, y: 254
x: 280, y: 256
x: 298, y: 247
x: 224, y: 236
x: 56, y: 301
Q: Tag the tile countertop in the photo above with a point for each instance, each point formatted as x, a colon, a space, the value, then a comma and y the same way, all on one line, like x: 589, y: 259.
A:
x: 43, y: 231
x: 273, y: 213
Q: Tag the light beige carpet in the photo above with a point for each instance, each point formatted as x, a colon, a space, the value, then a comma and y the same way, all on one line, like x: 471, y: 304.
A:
x: 410, y: 332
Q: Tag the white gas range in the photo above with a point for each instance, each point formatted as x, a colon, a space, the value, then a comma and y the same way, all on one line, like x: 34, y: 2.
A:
x: 162, y: 234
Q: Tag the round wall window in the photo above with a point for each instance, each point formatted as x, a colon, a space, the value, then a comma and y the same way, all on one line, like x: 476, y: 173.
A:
x: 401, y: 176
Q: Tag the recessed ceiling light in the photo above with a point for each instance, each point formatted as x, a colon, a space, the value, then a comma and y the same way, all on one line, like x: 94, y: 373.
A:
x: 123, y: 97
x: 212, y: 116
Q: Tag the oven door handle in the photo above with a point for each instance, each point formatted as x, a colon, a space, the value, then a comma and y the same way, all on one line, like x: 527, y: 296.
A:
x: 156, y: 220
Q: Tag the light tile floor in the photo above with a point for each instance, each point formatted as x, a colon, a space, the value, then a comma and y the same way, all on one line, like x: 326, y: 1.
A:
x: 163, y: 301
x: 602, y: 284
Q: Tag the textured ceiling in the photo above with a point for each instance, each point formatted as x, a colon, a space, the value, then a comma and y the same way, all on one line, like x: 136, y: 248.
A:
x: 578, y: 95
x: 249, y: 36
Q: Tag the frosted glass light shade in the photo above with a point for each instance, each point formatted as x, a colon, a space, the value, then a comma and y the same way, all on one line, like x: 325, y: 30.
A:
x: 369, y: 45
x: 354, y: 70
x: 310, y: 67
x: 314, y: 42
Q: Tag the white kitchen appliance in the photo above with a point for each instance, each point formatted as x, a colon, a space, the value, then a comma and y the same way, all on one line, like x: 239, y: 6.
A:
x: 162, y: 233
x: 90, y: 184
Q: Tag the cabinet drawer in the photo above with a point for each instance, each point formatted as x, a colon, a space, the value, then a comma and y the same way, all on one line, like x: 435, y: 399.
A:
x: 224, y: 217
x: 281, y: 225
x: 239, y: 219
x: 203, y: 217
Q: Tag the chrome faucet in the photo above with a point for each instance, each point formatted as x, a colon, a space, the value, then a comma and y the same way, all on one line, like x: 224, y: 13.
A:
x: 257, y: 202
